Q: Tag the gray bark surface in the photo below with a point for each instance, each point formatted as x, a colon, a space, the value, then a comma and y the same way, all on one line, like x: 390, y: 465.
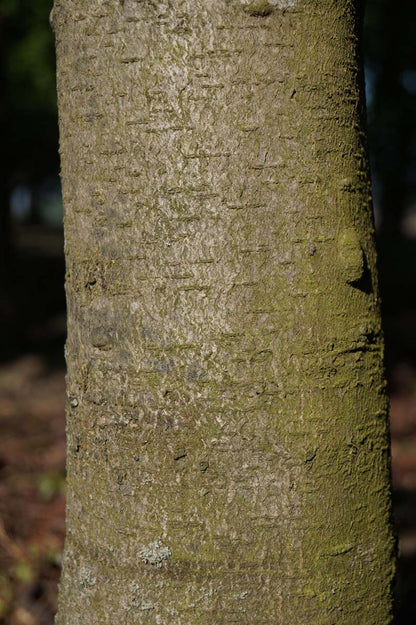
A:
x: 228, y: 452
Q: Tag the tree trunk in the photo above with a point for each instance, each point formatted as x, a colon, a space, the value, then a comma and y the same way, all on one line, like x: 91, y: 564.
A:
x: 228, y: 452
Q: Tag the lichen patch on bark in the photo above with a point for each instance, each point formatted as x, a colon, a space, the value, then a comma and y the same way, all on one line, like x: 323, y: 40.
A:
x: 262, y: 8
x: 155, y: 553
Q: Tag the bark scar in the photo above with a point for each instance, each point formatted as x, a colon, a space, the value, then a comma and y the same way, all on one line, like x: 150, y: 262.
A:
x: 351, y: 255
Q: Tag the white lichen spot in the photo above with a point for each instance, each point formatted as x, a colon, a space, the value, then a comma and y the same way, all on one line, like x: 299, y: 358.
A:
x: 86, y: 577
x: 120, y: 419
x: 135, y: 589
x: 155, y: 553
x: 284, y: 4
x: 146, y: 478
x: 265, y: 7
x: 205, y: 593
x: 147, y: 605
x: 241, y: 595
x: 136, y: 600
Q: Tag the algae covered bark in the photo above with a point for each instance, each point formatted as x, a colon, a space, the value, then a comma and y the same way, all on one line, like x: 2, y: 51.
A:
x: 228, y: 454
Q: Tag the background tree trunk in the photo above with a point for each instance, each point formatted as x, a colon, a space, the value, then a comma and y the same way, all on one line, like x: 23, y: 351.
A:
x: 228, y: 453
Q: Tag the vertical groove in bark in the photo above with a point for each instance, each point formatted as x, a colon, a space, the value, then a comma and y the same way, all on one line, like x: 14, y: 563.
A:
x: 227, y: 438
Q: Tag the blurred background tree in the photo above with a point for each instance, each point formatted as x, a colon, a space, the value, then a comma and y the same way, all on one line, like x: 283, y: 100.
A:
x: 32, y: 303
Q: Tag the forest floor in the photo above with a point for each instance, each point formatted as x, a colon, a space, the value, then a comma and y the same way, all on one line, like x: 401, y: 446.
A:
x: 32, y: 489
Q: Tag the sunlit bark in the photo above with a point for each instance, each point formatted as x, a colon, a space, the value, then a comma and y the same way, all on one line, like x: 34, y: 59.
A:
x: 227, y: 434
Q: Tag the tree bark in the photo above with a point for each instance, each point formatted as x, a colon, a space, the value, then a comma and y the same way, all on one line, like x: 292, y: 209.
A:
x: 228, y: 451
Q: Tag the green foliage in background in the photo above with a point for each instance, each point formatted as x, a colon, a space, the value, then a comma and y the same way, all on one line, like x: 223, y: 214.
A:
x: 27, y: 77
x: 390, y: 52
